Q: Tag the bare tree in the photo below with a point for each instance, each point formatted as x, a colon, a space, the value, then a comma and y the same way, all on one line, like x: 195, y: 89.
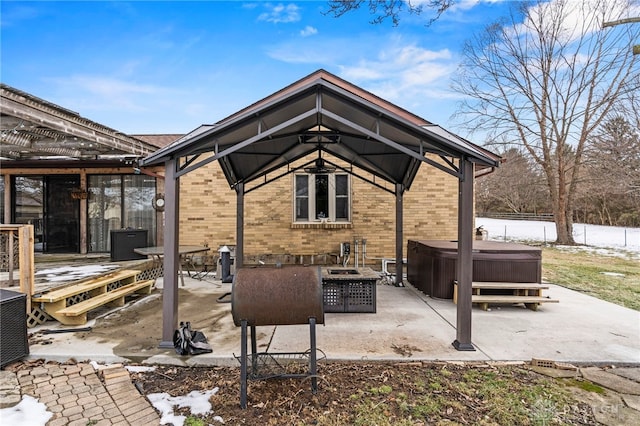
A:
x: 393, y: 9
x: 517, y: 186
x: 613, y: 181
x: 547, y: 77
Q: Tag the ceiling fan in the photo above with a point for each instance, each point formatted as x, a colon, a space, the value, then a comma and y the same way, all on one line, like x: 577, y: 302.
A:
x: 320, y: 166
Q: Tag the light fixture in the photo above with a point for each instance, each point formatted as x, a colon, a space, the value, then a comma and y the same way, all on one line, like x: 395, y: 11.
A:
x: 320, y: 166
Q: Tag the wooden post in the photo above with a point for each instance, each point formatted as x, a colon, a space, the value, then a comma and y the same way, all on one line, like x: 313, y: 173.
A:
x: 26, y: 262
x: 10, y: 260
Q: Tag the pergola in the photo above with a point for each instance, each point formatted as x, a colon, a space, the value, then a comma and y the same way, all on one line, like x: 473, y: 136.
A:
x: 325, y: 114
x: 32, y: 129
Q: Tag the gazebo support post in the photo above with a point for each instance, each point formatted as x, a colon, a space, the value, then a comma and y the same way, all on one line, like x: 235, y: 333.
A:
x: 465, y: 257
x: 239, y: 225
x: 171, y: 254
x: 399, y: 234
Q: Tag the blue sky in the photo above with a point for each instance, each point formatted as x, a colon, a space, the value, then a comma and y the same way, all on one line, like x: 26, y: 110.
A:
x: 167, y: 67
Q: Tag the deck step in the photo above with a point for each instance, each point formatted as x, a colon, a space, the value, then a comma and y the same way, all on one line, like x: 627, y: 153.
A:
x: 76, y: 314
x: 530, y: 302
x: 91, y: 285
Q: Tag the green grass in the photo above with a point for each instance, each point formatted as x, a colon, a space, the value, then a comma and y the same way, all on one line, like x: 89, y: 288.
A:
x: 498, y: 393
x: 586, y: 272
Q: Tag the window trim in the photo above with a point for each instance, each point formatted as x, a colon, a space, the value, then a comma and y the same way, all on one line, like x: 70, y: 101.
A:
x: 311, y: 199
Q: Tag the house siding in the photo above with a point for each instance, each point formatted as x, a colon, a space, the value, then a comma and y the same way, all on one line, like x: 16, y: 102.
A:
x: 208, y: 216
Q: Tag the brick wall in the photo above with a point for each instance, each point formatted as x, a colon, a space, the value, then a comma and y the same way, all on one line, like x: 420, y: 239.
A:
x: 208, y: 216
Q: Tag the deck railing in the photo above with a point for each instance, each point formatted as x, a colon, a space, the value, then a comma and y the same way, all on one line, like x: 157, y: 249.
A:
x: 16, y: 249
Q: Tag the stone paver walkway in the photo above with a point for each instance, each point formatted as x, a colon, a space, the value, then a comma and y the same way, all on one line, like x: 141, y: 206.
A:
x: 78, y: 395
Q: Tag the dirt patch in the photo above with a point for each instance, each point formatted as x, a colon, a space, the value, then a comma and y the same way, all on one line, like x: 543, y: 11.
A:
x: 378, y: 393
x: 136, y: 330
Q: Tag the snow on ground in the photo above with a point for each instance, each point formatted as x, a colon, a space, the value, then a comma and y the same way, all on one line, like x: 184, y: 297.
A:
x: 72, y: 273
x: 608, y: 240
x: 28, y: 412
x: 197, y: 401
x: 31, y: 412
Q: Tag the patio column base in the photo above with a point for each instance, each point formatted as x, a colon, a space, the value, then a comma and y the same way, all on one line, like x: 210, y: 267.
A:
x: 166, y: 345
x: 463, y: 346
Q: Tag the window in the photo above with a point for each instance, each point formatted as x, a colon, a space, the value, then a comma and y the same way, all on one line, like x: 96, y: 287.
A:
x: 117, y: 202
x: 322, y: 197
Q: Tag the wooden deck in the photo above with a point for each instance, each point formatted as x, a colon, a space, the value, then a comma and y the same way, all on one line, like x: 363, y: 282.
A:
x: 68, y: 287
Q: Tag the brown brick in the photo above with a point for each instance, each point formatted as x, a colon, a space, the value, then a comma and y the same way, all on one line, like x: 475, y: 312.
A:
x: 76, y: 380
x: 25, y: 380
x: 58, y: 379
x: 84, y: 400
x: 68, y: 399
x: 81, y: 390
x: 52, y: 397
x: 76, y: 419
x: 41, y: 379
x: 87, y: 370
x: 112, y: 413
x: 142, y: 412
x: 58, y: 422
x: 44, y: 389
x: 72, y: 369
x: 39, y: 371
x: 91, y: 412
x: 430, y: 212
x: 132, y: 406
x: 64, y: 388
x: 56, y: 372
x: 150, y: 418
x: 55, y: 408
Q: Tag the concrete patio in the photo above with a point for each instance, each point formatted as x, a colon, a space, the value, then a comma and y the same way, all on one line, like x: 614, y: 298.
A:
x: 407, y: 326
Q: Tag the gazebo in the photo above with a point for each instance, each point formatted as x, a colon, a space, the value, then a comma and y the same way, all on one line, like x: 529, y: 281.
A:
x: 322, y: 114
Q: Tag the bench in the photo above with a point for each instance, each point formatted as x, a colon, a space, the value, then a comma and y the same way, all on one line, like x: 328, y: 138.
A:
x: 484, y: 293
x: 57, y: 300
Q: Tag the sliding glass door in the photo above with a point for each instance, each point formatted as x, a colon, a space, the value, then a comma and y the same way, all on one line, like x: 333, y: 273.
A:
x: 46, y: 203
x: 119, y: 202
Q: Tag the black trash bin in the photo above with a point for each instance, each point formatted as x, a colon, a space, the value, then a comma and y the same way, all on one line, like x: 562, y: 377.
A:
x: 14, y: 344
x: 123, y: 241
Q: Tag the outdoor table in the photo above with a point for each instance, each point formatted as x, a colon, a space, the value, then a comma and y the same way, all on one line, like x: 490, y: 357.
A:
x: 156, y: 253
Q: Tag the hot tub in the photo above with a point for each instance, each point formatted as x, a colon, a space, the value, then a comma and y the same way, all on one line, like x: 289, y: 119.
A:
x: 431, y: 264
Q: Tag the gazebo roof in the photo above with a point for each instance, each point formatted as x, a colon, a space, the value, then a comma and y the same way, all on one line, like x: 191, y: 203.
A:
x: 326, y: 114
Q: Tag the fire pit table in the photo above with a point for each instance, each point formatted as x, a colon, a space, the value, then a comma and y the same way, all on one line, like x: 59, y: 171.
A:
x: 349, y: 289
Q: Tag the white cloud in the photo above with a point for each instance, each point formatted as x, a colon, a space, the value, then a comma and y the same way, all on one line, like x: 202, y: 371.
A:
x: 108, y: 92
x: 279, y: 13
x: 308, y: 31
x: 581, y: 18
x: 395, y: 69
x: 404, y: 72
